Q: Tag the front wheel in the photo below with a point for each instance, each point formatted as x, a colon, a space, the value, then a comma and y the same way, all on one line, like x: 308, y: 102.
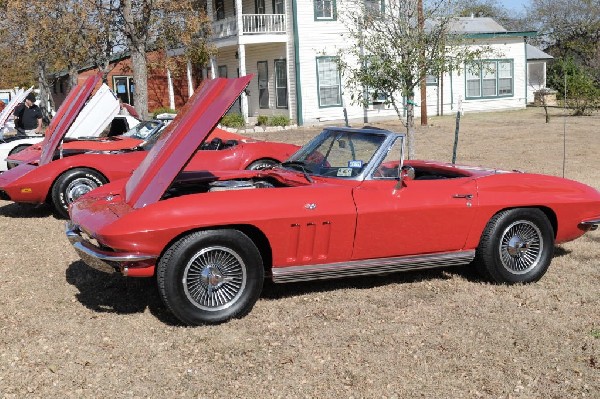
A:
x: 73, y: 184
x: 209, y: 277
x: 516, y: 246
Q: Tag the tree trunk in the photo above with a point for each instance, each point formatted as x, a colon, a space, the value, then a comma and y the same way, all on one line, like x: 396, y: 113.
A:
x: 410, y: 126
x: 45, y: 98
x: 137, y: 47
x: 73, y: 77
x: 140, y: 79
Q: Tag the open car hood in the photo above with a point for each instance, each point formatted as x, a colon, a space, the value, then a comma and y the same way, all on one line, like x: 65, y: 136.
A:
x: 96, y: 115
x: 10, y: 107
x: 181, y: 138
x: 65, y: 116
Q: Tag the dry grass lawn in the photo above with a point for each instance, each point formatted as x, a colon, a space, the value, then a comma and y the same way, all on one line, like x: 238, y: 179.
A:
x: 69, y: 331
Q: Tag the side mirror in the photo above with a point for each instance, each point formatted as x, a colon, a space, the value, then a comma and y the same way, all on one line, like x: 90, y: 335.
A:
x: 407, y: 173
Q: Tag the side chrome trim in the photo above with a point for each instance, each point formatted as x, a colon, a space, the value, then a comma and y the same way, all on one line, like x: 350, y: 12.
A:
x: 370, y: 266
x: 100, y: 259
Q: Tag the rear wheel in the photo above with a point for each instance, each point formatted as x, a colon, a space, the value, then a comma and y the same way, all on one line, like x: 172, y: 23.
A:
x: 209, y: 277
x: 262, y: 164
x: 516, y: 246
x: 73, y: 184
x: 16, y: 150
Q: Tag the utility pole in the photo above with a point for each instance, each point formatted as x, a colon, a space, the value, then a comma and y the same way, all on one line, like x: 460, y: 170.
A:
x: 421, y: 20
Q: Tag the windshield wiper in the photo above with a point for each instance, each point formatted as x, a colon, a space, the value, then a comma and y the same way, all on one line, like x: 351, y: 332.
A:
x: 299, y: 165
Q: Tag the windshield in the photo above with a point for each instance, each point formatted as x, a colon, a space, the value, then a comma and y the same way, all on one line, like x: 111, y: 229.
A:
x: 143, y: 130
x: 343, y: 154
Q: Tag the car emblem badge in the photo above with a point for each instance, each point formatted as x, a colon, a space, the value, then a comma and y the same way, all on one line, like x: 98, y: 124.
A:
x: 109, y: 198
x: 310, y: 206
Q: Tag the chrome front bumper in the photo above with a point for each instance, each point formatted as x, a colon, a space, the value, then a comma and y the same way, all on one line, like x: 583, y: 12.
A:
x: 101, y: 259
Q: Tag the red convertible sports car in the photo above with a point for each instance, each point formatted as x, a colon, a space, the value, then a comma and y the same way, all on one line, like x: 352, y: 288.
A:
x: 346, y: 204
x: 62, y: 173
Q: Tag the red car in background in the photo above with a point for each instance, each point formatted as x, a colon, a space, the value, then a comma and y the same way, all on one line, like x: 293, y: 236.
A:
x: 346, y: 204
x: 60, y: 173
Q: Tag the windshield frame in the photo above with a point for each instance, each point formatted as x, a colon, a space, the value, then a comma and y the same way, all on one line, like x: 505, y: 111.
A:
x: 378, y: 156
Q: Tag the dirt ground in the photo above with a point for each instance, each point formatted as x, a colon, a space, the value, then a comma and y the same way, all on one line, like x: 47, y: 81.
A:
x: 68, y: 331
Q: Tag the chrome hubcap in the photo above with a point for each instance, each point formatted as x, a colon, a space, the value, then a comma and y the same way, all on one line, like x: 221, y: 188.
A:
x: 215, y: 278
x: 521, y: 247
x: 78, y: 187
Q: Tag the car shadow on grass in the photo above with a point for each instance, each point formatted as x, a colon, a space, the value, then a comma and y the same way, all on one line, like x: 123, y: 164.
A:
x: 14, y: 210
x: 113, y: 293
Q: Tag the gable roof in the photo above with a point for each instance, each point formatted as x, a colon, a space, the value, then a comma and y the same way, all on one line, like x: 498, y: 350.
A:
x: 534, y: 53
x: 480, y: 27
x: 476, y: 25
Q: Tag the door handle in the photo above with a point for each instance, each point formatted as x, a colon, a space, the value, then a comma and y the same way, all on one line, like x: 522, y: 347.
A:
x: 467, y: 196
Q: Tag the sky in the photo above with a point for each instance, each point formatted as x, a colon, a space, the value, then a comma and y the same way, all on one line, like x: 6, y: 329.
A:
x: 517, y: 5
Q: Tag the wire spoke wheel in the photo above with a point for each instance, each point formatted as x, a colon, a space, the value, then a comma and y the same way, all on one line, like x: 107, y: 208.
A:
x: 521, y: 247
x: 516, y: 246
x: 210, y: 276
x: 214, y: 278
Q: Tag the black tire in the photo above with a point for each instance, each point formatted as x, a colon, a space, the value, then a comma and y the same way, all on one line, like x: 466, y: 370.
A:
x: 16, y: 150
x: 262, y: 164
x: 209, y: 277
x: 516, y: 246
x: 73, y: 184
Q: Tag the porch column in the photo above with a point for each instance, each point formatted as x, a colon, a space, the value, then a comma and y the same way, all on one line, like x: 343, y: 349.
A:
x: 212, y: 63
x: 211, y: 17
x: 242, y: 66
x: 189, y: 79
x: 239, y: 11
x: 209, y: 10
x: 289, y: 50
x: 171, y: 92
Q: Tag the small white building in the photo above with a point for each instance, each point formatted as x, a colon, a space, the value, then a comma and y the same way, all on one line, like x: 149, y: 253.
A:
x: 291, y: 46
x: 536, y: 71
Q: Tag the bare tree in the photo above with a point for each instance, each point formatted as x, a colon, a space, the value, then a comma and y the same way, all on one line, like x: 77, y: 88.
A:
x: 569, y: 29
x: 390, y: 53
x: 160, y: 24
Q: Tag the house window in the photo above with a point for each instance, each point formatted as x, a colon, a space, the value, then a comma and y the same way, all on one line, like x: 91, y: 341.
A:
x: 278, y: 7
x: 123, y: 87
x: 374, y: 96
x: 431, y: 79
x: 281, y: 92
x: 325, y: 10
x: 263, y: 84
x: 489, y: 78
x: 535, y: 74
x: 375, y: 5
x: 329, y: 82
x: 222, y: 69
x: 220, y: 8
x: 259, y: 6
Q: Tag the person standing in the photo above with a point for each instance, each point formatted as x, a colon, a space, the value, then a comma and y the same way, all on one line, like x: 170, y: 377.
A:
x: 28, y: 117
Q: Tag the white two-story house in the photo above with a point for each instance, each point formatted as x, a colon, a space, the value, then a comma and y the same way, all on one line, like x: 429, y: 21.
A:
x: 291, y: 46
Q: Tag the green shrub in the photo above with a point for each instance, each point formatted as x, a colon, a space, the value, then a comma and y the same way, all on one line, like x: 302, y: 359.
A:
x: 163, y: 110
x: 262, y: 120
x: 233, y: 120
x: 278, y: 120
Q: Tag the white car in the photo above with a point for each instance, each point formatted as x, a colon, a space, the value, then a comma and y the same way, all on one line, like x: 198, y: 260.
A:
x: 95, y: 117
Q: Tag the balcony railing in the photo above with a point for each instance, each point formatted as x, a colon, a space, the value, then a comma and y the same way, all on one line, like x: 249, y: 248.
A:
x: 252, y: 24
